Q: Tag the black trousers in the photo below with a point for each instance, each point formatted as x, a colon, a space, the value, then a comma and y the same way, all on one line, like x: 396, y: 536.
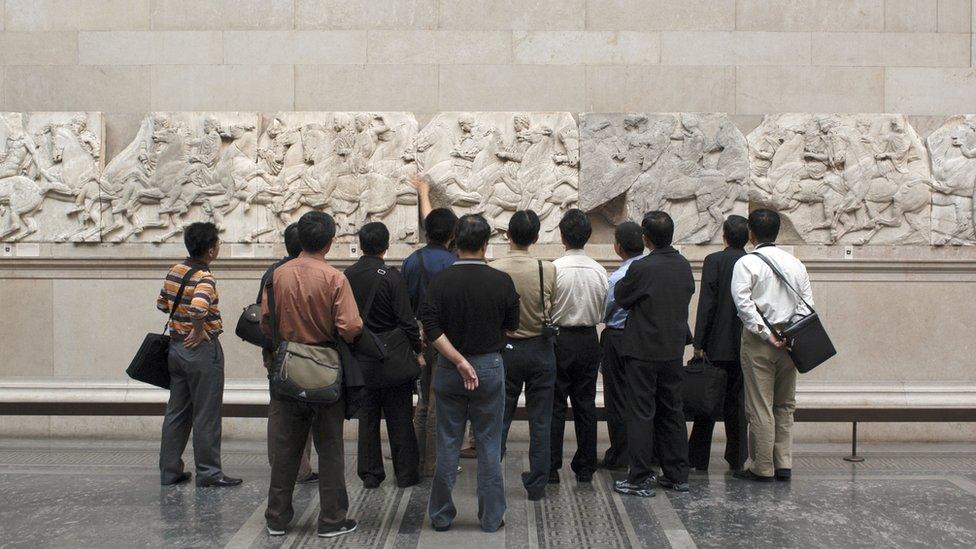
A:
x: 614, y: 397
x: 531, y: 363
x: 577, y: 366
x: 291, y: 423
x: 395, y: 404
x: 656, y: 425
x: 736, y: 426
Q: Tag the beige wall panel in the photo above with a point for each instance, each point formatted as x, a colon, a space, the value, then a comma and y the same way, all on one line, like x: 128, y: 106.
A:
x: 76, y: 88
x: 911, y: 15
x: 660, y: 14
x: 587, y: 47
x: 294, y: 47
x: 735, y: 48
x: 366, y: 87
x: 891, y: 49
x: 150, y: 48
x: 222, y: 14
x: 810, y: 15
x: 423, y: 47
x: 512, y: 87
x: 512, y: 14
x: 761, y: 90
x: 76, y: 14
x: 223, y: 87
x: 38, y: 48
x: 954, y: 15
x: 366, y: 14
x: 27, y: 343
x: 930, y: 91
x: 658, y: 88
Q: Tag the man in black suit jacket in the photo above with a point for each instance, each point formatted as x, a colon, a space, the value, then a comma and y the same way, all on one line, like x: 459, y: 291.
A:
x: 657, y: 291
x: 718, y: 334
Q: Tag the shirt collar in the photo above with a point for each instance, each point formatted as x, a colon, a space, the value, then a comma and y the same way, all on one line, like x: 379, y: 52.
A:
x: 371, y: 259
x: 628, y: 261
x: 665, y: 250
x: 471, y: 262
x: 575, y: 251
x: 309, y: 255
x: 196, y: 263
x: 766, y: 245
x: 519, y: 253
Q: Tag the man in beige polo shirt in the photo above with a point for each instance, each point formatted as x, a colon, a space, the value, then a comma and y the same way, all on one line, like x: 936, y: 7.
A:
x: 529, y: 356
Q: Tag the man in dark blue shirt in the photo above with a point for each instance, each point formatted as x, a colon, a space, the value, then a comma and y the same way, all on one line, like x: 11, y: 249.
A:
x: 419, y: 268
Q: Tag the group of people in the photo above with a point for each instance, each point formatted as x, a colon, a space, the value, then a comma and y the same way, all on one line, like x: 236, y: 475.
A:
x: 484, y: 333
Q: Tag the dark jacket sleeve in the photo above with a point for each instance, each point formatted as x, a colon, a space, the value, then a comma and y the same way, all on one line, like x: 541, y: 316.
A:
x: 404, y: 312
x: 430, y: 313
x: 707, y: 300
x: 512, y: 306
x: 628, y: 291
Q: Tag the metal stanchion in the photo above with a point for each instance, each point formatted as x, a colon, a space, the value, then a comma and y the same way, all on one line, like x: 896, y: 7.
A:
x: 854, y: 458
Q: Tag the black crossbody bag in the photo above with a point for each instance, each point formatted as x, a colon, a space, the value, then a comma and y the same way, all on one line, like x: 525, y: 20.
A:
x: 386, y: 358
x: 249, y: 324
x: 806, y: 339
x: 151, y: 363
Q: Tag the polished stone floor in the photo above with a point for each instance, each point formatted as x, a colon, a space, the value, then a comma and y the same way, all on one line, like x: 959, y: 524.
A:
x: 80, y: 494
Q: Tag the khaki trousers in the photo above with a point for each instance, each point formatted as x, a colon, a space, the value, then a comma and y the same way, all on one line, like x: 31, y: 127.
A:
x: 769, y: 377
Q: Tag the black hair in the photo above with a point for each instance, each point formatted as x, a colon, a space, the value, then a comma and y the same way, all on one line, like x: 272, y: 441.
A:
x: 575, y: 228
x: 736, y: 231
x: 523, y: 227
x: 628, y: 236
x: 292, y: 243
x: 316, y: 231
x: 764, y: 224
x: 439, y: 225
x: 472, y: 233
x: 374, y: 238
x: 199, y: 238
x: 658, y: 228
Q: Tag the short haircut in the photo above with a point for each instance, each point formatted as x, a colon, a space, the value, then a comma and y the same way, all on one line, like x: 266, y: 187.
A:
x: 473, y: 232
x: 523, y: 227
x: 316, y: 231
x: 575, y: 228
x: 628, y: 236
x: 658, y: 228
x: 199, y: 238
x: 439, y: 225
x: 292, y: 243
x: 374, y: 238
x: 736, y: 231
x: 764, y: 224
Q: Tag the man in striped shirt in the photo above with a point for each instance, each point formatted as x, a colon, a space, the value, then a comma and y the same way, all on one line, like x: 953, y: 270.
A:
x: 196, y: 364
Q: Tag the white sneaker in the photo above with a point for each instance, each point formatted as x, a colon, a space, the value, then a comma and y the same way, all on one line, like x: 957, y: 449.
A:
x: 348, y: 527
x: 273, y: 532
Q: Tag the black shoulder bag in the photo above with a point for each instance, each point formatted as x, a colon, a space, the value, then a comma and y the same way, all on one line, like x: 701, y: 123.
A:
x: 249, y: 324
x: 386, y: 358
x: 151, y: 363
x: 549, y: 330
x: 806, y: 339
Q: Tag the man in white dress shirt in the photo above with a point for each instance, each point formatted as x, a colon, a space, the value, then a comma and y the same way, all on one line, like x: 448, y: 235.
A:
x: 581, y: 293
x: 763, y: 301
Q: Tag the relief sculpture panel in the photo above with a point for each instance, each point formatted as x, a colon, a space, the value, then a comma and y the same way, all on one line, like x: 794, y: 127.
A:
x: 856, y: 178
x: 495, y: 163
x: 50, y: 163
x: 182, y: 167
x: 695, y: 166
x: 952, y: 148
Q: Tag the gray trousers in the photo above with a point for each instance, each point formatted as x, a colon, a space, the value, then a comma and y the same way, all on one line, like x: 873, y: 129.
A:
x: 196, y: 394
x: 485, y: 407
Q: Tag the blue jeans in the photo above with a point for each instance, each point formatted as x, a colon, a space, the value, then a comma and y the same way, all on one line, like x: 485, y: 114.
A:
x: 485, y: 407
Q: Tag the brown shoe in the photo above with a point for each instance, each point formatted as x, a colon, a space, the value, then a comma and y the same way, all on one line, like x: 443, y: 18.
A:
x: 469, y: 453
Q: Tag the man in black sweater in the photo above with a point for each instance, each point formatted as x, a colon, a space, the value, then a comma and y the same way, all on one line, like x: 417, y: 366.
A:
x: 657, y: 291
x: 718, y: 334
x: 389, y: 310
x: 469, y: 308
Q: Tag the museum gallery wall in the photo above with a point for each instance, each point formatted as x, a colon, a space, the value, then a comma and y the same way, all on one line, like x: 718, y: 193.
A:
x: 839, y: 179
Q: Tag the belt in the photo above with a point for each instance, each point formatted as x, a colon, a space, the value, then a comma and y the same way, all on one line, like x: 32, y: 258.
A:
x: 577, y: 328
x: 609, y: 329
x: 176, y: 336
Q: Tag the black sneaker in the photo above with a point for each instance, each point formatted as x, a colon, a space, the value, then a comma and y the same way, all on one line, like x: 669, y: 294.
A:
x: 584, y: 477
x: 371, y: 483
x: 671, y: 485
x: 444, y: 528
x: 747, y: 474
x: 784, y: 474
x: 644, y: 489
x: 348, y: 526
x: 275, y: 531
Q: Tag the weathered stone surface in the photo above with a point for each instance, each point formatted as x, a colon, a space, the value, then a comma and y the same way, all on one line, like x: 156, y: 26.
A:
x: 181, y: 168
x: 49, y: 176
x: 694, y: 166
x: 856, y: 178
x: 495, y: 163
x: 953, y: 154
x: 351, y: 165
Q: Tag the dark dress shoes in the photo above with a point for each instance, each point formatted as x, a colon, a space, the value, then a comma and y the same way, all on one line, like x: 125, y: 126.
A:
x: 584, y: 477
x: 784, y: 474
x: 553, y: 477
x: 222, y: 481
x: 184, y: 477
x: 747, y: 474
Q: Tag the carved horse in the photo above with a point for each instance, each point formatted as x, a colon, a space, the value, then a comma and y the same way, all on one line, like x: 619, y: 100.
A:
x: 74, y: 173
x: 20, y: 198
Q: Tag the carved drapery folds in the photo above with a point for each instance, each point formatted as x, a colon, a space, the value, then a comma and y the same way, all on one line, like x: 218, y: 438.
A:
x: 693, y: 165
x: 495, y: 163
x: 852, y: 179
x: 863, y: 179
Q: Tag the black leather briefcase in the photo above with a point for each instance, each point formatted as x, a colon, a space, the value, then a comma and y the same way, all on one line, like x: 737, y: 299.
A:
x: 703, y: 390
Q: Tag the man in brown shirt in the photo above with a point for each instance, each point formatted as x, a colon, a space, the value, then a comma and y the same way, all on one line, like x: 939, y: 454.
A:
x: 314, y: 304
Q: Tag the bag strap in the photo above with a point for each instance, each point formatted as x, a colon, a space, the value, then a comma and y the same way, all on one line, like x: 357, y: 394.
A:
x: 372, y: 293
x: 542, y: 295
x: 272, y: 313
x: 782, y: 278
x: 179, y: 295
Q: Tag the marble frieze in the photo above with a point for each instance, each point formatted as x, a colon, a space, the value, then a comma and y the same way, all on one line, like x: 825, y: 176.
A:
x: 952, y: 149
x: 695, y: 166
